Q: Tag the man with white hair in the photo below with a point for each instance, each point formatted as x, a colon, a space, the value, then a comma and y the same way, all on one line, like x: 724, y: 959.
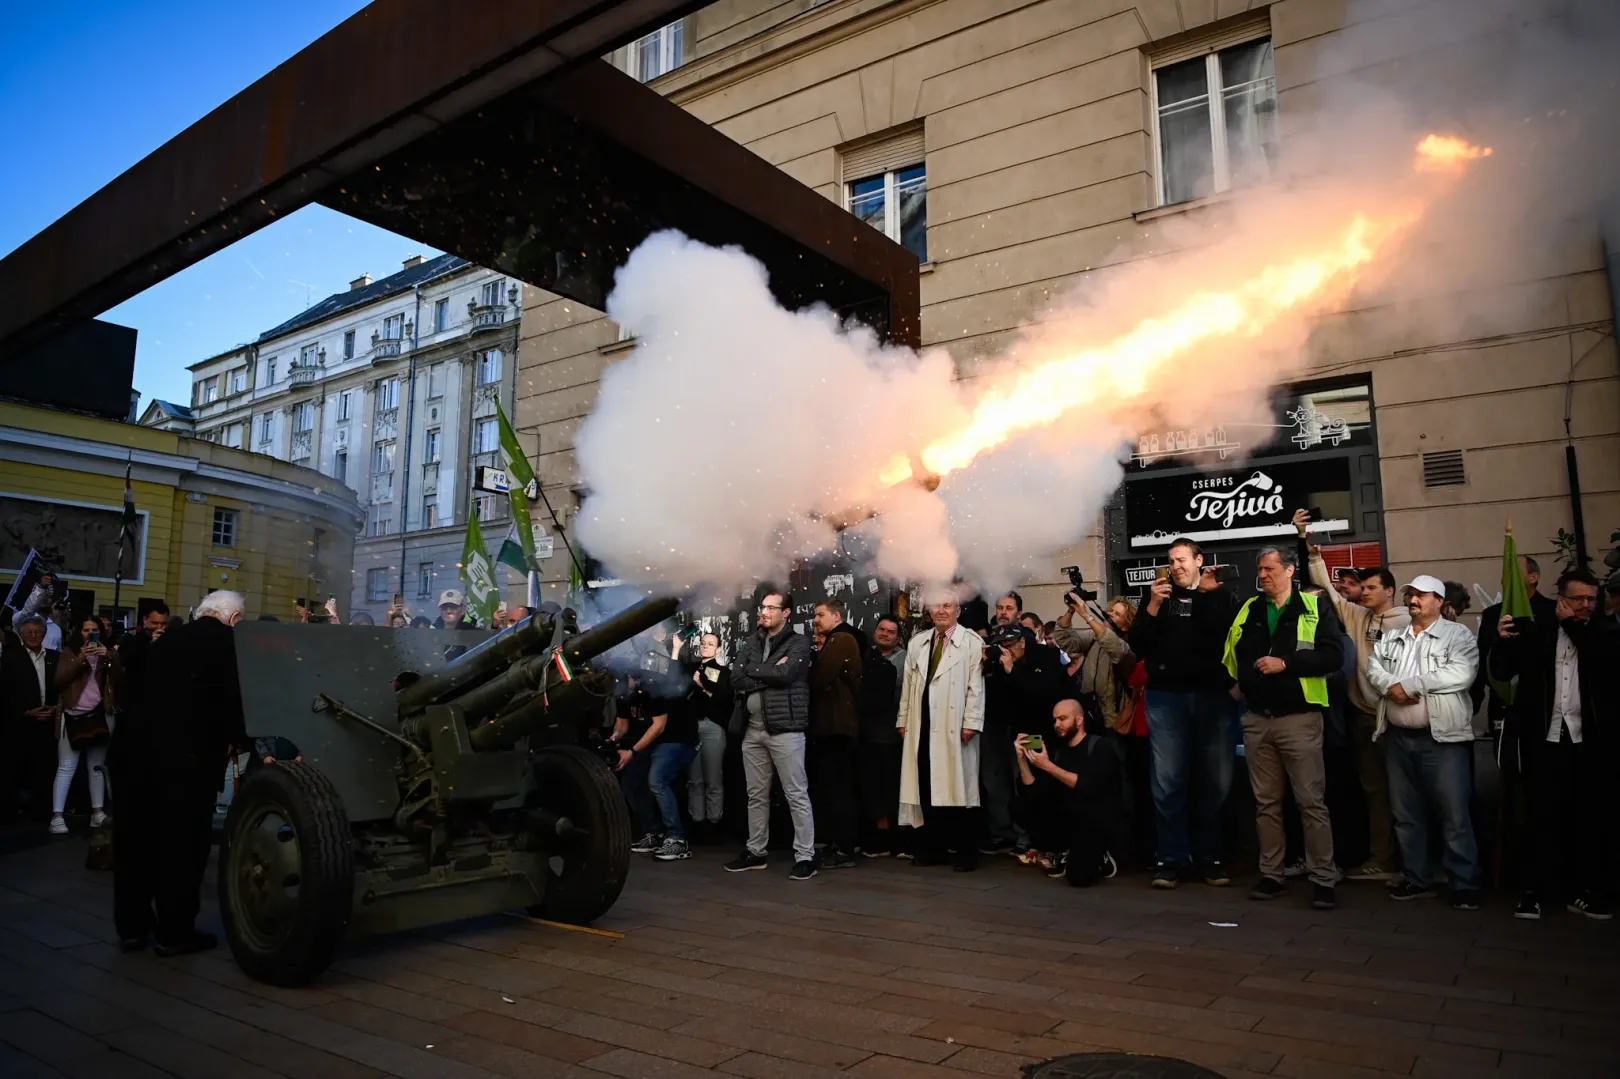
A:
x: 195, y: 704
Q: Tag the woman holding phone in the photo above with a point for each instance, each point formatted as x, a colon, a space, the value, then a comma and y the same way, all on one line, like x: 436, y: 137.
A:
x: 87, y: 680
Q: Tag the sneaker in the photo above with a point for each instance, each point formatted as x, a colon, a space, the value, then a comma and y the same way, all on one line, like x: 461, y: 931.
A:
x: 1592, y: 907
x: 835, y: 858
x: 672, y: 850
x: 1059, y: 867
x: 1166, y: 876
x: 904, y: 855
x: 1214, y: 875
x: 58, y: 825
x: 1109, y: 868
x: 1294, y: 869
x: 802, y: 870
x: 1268, y: 888
x: 745, y: 861
x: 1529, y: 909
x: 196, y: 942
x: 997, y: 846
x: 97, y: 819
x: 1370, y: 871
x: 1031, y: 857
x: 867, y: 852
x: 647, y: 843
x: 1465, y: 899
x: 1407, y: 890
x: 1322, y: 897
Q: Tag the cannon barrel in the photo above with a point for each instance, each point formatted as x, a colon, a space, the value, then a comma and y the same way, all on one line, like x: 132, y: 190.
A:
x: 528, y: 637
x: 581, y: 700
x: 621, y: 627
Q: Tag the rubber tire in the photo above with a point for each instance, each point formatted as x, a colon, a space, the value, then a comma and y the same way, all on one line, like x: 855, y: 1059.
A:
x: 326, y: 870
x: 593, y: 799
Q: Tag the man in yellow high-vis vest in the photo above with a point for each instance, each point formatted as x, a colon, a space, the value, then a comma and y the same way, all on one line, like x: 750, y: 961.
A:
x: 1281, y: 648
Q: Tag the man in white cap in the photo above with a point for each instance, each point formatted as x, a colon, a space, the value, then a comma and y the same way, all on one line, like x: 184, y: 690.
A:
x: 1426, y: 720
x: 452, y: 611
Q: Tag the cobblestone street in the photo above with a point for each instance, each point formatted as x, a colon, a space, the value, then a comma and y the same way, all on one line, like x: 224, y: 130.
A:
x: 885, y: 970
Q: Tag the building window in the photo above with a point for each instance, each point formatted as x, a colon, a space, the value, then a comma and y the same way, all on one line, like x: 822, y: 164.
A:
x: 489, y: 367
x: 267, y: 427
x: 1216, y: 121
x: 393, y: 327
x: 309, y: 355
x: 344, y: 404
x: 486, y: 436
x: 376, y: 585
x: 436, y: 380
x: 210, y: 390
x: 424, y: 579
x: 886, y: 185
x: 388, y: 393
x: 382, y: 521
x: 659, y: 52
x: 490, y: 294
x: 430, y: 448
x: 348, y: 345
x: 239, y: 380
x: 382, y: 458
x: 441, y: 316
x: 233, y: 436
x: 303, y: 418
x: 486, y: 507
x: 340, y: 466
x: 270, y: 371
x: 430, y: 513
x: 224, y: 528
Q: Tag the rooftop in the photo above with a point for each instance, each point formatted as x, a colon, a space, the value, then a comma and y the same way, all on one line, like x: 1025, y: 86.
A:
x: 339, y: 302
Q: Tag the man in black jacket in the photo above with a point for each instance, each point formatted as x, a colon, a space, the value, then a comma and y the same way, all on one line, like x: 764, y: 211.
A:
x: 772, y: 713
x: 194, y: 700
x: 1178, y: 635
x: 28, y: 704
x: 132, y: 759
x: 878, y: 759
x: 1073, y: 805
x: 1023, y: 679
x: 1282, y: 647
x: 1561, y: 733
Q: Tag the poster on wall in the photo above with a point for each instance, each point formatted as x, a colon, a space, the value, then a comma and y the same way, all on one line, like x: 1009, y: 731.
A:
x: 1254, y: 502
x: 79, y: 541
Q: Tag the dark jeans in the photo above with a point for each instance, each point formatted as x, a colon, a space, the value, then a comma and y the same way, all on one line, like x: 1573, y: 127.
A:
x: 668, y: 761
x: 998, y: 777
x: 1191, y: 742
x: 1060, y: 824
x: 1428, y: 777
x: 1569, y: 839
x: 833, y: 798
x: 877, y: 765
x: 185, y: 833
x: 633, y: 782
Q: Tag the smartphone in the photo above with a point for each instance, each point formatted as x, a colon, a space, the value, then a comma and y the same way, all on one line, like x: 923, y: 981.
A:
x: 1035, y: 742
x: 399, y: 599
x: 1523, y: 623
x: 1314, y: 513
x: 302, y: 601
x: 95, y: 636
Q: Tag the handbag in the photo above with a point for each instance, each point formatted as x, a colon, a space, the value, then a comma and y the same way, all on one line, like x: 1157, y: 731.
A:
x: 89, y: 729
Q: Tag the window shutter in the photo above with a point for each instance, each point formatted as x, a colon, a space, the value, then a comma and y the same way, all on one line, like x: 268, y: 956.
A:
x: 882, y: 155
x: 1444, y: 468
x: 1204, y: 44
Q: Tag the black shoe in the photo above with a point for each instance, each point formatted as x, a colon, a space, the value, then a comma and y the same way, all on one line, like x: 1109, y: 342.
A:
x: 997, y: 846
x: 1465, y: 899
x: 132, y: 944
x: 1214, y: 875
x: 837, y: 858
x: 745, y: 861
x: 1322, y: 897
x: 802, y: 870
x: 647, y: 843
x: 966, y: 861
x: 1529, y: 908
x: 1407, y: 890
x: 1268, y: 888
x: 196, y: 942
x: 1166, y: 876
x: 928, y: 858
x: 1591, y: 907
x: 1059, y: 867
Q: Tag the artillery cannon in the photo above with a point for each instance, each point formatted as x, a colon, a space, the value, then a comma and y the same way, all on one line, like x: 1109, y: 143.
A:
x: 430, y: 789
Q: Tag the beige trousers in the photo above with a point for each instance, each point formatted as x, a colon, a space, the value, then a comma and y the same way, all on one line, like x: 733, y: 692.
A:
x: 1288, y: 749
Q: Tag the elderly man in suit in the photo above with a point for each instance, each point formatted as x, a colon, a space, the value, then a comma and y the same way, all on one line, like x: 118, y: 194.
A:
x: 28, y: 692
x: 941, y: 716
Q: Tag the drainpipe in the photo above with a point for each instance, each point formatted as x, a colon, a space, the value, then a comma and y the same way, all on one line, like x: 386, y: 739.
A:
x: 410, y: 430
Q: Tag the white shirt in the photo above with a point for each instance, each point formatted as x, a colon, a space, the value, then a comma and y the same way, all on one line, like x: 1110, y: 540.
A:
x: 53, y: 636
x: 1566, y: 691
x: 1416, y: 714
x: 38, y: 659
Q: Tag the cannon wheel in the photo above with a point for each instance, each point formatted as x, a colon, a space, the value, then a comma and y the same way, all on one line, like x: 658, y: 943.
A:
x: 286, y: 873
x: 583, y: 879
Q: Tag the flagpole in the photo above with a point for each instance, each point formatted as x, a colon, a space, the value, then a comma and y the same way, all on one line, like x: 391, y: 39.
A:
x: 123, y: 536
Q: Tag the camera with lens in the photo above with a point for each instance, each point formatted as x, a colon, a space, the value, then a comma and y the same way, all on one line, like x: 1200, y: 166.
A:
x: 1077, y: 584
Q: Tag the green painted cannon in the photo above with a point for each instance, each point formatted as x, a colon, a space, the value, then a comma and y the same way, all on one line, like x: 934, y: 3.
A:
x: 431, y: 789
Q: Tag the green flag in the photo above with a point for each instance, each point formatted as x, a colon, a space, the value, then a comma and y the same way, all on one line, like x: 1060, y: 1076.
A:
x: 482, y: 593
x: 1515, y: 602
x: 522, y: 478
x: 511, y: 552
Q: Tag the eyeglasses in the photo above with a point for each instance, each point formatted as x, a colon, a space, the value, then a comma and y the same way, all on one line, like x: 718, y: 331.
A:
x: 771, y: 607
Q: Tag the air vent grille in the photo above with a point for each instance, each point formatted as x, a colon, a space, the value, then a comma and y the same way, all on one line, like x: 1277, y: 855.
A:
x: 1444, y: 468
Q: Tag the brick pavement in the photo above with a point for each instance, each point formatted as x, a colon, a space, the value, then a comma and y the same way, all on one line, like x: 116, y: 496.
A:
x: 885, y: 971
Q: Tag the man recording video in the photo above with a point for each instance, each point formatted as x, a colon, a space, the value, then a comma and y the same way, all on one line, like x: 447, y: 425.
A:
x: 1070, y: 796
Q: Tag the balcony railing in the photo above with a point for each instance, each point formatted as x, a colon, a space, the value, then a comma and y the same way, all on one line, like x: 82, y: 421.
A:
x: 302, y: 442
x: 301, y: 374
x: 385, y: 348
x: 382, y: 487
x: 485, y: 316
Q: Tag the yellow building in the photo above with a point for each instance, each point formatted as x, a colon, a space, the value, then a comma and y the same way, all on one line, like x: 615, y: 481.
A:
x: 211, y: 517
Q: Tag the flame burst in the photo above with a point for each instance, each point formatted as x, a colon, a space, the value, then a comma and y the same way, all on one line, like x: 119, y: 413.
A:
x: 1122, y: 370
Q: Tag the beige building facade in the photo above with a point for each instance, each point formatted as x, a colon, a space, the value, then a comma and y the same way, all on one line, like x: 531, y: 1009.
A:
x: 1016, y: 145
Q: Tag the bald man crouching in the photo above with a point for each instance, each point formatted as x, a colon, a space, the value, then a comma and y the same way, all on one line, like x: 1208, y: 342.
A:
x: 1070, y: 796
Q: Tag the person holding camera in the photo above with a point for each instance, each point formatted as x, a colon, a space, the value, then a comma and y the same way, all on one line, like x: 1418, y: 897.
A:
x: 1023, y: 679
x: 87, y: 681
x: 1070, y: 797
x: 710, y: 701
x: 1102, y: 648
x: 1179, y: 635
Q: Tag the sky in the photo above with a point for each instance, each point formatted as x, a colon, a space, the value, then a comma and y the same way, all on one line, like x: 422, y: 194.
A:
x: 87, y: 90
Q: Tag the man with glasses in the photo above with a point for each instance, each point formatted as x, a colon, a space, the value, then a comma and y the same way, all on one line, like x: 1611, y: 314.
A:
x: 1561, y: 731
x: 771, y: 679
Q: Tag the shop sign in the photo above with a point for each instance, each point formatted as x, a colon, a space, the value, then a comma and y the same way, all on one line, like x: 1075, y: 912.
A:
x: 1300, y: 422
x: 1249, y: 503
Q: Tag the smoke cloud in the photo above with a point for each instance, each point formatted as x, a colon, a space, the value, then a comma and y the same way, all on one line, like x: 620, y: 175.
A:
x: 738, y: 436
